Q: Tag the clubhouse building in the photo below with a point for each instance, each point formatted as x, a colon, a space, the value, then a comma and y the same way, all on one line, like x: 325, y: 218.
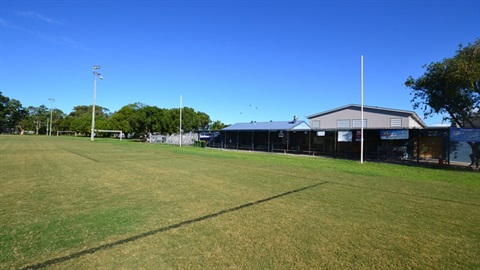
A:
x: 389, y: 134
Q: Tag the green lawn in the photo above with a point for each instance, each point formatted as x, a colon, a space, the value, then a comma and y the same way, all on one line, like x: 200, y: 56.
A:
x: 69, y: 203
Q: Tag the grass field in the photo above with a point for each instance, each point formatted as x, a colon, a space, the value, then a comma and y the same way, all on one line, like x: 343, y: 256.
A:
x: 68, y: 203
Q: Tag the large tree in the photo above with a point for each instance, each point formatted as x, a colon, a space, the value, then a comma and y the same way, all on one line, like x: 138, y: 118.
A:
x: 452, y: 87
x: 12, y: 114
x: 3, y: 104
x: 125, y: 119
x: 80, y: 118
x: 141, y: 119
x: 217, y: 125
x: 38, y: 117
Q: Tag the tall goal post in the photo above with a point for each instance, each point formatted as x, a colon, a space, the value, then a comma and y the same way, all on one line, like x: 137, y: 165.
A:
x: 111, y: 131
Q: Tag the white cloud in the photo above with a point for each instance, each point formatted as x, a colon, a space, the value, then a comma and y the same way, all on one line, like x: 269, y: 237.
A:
x: 64, y: 41
x: 38, y: 16
x: 7, y: 24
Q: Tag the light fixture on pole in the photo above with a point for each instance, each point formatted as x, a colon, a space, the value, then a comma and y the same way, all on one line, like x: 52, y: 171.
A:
x: 51, y: 115
x: 95, y: 75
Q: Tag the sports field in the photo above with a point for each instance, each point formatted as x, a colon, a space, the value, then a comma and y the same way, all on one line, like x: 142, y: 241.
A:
x: 69, y: 203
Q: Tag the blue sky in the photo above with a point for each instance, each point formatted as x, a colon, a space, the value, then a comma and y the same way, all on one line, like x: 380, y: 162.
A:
x: 237, y: 60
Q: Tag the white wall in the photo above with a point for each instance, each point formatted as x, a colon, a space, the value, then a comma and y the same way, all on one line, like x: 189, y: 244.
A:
x: 374, y: 119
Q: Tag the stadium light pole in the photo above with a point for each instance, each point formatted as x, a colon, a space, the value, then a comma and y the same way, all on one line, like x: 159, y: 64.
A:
x: 51, y: 115
x: 95, y: 75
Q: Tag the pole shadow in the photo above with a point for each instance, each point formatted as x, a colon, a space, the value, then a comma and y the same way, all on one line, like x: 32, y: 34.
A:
x: 163, y: 229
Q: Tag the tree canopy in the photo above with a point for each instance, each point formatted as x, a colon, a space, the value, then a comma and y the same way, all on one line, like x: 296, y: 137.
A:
x: 451, y: 87
x: 141, y: 119
x: 136, y: 118
x: 11, y: 114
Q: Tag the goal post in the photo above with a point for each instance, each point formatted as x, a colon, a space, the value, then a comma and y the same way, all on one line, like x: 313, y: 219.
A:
x: 111, y: 131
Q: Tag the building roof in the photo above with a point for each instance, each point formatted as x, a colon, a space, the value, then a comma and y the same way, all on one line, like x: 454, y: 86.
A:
x: 475, y: 121
x: 272, y: 125
x: 371, y: 109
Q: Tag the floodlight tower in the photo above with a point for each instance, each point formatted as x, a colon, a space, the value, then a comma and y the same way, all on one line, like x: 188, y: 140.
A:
x: 51, y: 115
x: 95, y: 76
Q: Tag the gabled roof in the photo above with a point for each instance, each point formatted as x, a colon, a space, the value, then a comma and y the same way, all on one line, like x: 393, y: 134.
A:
x: 272, y: 125
x: 371, y: 109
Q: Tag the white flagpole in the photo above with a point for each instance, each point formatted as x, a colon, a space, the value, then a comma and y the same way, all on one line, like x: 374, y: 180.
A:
x: 180, y: 121
x: 361, y: 83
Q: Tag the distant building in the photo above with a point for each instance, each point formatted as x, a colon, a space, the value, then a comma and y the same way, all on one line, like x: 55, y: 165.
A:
x: 270, y: 126
x: 389, y: 134
x: 267, y: 136
x: 349, y: 117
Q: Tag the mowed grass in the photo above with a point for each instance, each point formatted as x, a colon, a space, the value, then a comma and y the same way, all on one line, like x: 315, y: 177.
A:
x: 68, y: 203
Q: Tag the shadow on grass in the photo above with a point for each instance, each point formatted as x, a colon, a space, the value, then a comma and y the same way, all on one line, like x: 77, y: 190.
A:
x: 81, y: 155
x: 432, y: 164
x: 163, y: 229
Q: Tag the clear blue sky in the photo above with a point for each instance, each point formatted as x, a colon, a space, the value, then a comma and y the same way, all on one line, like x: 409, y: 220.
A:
x: 237, y: 60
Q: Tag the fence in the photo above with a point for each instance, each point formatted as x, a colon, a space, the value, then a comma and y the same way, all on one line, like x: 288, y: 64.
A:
x: 188, y: 139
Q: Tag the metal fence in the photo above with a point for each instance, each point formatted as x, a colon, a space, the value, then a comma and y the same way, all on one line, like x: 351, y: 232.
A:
x: 187, y: 139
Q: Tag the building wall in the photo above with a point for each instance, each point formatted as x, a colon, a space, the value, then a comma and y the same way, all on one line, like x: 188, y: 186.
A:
x: 413, y: 123
x: 374, y: 119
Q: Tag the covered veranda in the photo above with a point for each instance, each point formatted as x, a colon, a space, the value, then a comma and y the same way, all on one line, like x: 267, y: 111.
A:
x: 273, y: 136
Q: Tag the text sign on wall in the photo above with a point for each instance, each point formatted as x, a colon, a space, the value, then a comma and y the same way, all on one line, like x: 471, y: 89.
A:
x: 394, y: 134
x: 465, y: 135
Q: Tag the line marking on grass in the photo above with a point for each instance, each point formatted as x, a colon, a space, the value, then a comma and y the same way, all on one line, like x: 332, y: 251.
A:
x: 408, y: 194
x: 163, y: 229
x: 78, y: 154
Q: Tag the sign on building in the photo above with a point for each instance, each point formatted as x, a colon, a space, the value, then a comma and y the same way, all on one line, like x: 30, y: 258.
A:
x: 394, y: 134
x: 465, y: 135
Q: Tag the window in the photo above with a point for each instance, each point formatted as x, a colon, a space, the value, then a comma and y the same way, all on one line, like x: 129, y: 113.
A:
x: 396, y: 122
x: 357, y: 123
x: 315, y: 123
x: 343, y: 123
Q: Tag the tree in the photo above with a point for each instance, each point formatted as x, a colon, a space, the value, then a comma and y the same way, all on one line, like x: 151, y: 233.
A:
x: 140, y: 119
x: 124, y: 119
x: 217, y: 125
x: 191, y: 120
x: 203, y: 120
x: 12, y: 114
x: 38, y: 116
x: 81, y: 118
x: 451, y: 87
x: 65, y: 122
x: 165, y: 123
x: 57, y: 120
x: 153, y: 119
x: 3, y: 118
x: 82, y: 124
